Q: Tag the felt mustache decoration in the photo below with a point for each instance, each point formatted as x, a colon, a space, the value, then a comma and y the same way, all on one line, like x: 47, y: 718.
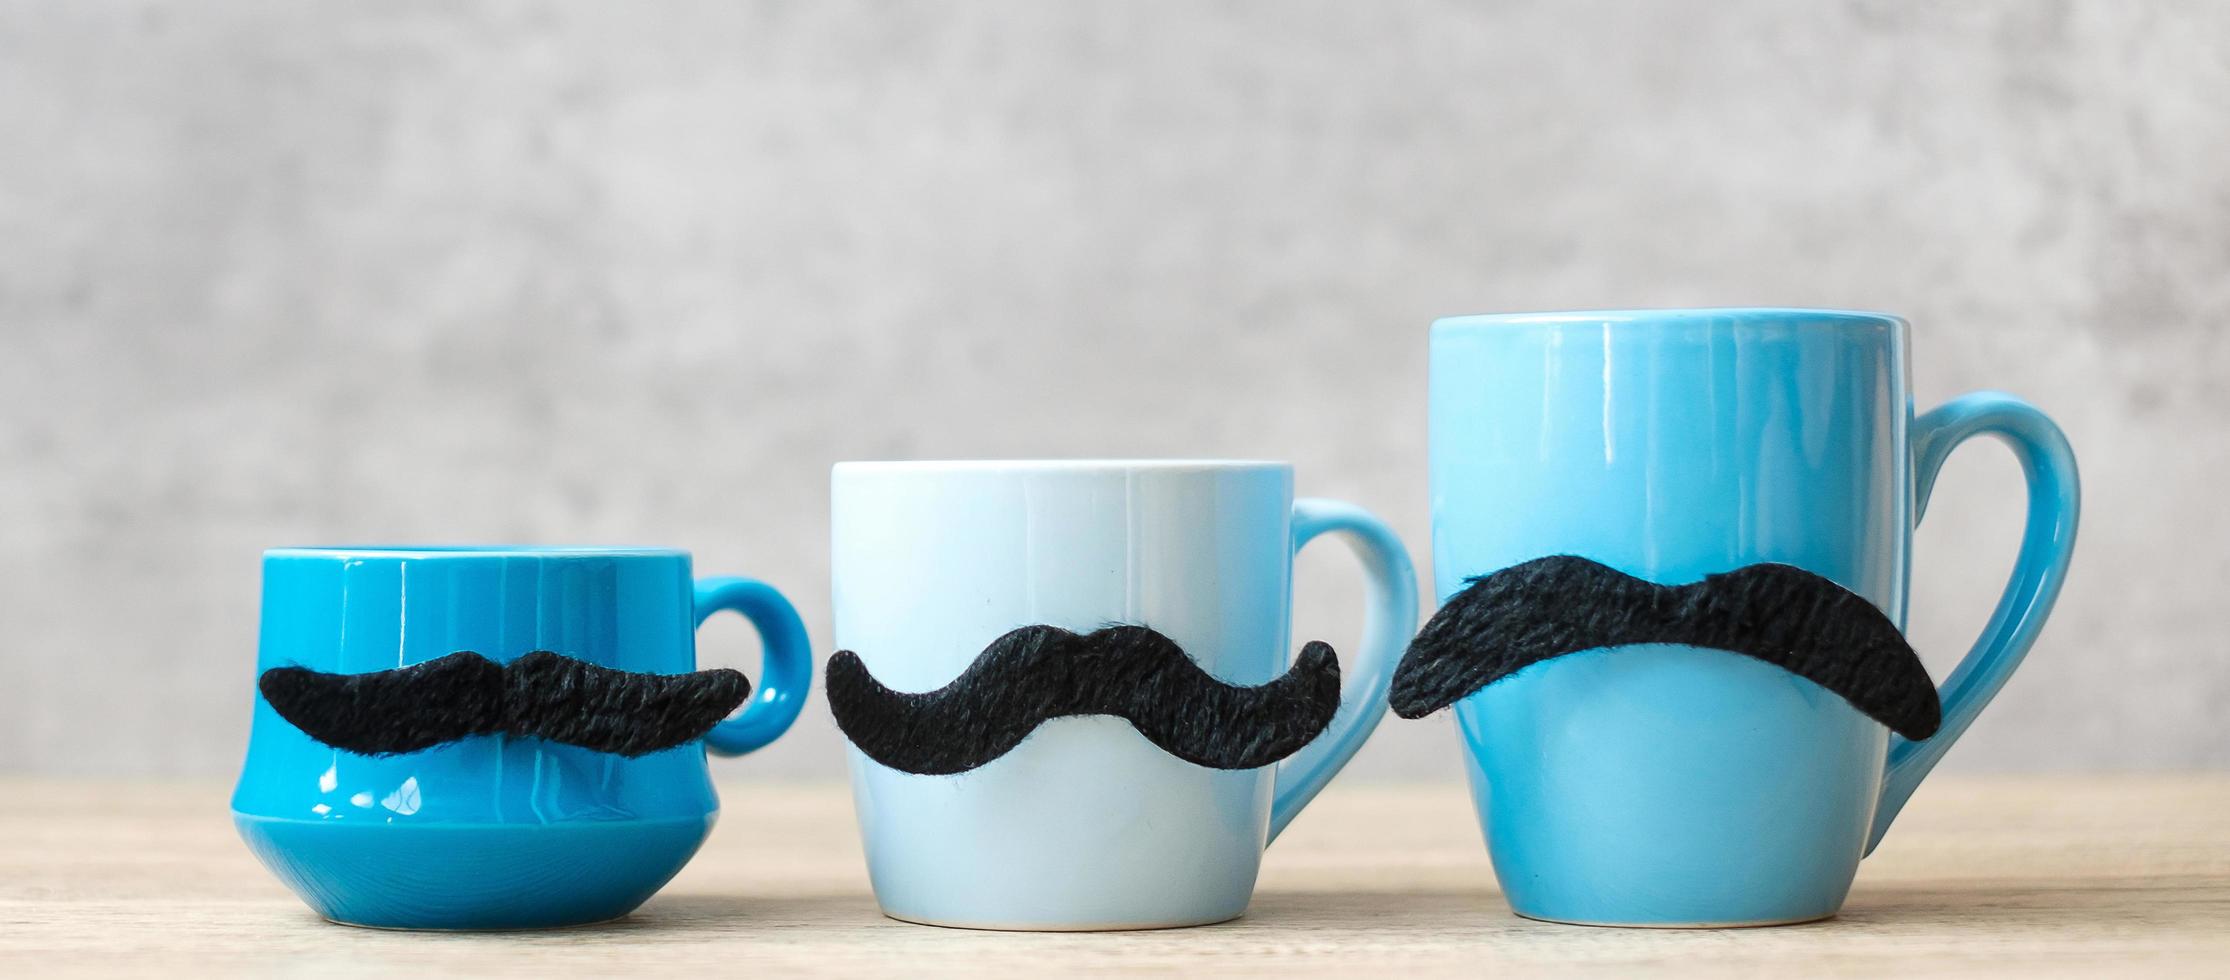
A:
x: 1781, y: 614
x: 1037, y: 673
x: 539, y: 695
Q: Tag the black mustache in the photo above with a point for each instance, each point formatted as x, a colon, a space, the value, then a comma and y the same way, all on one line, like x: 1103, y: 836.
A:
x: 1037, y: 673
x: 1781, y: 614
x: 539, y: 695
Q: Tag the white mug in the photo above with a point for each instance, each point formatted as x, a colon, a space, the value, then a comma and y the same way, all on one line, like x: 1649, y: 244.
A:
x: 1086, y: 824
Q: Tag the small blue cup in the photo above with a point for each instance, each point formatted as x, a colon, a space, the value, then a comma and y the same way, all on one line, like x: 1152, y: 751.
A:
x: 1677, y: 786
x: 494, y: 832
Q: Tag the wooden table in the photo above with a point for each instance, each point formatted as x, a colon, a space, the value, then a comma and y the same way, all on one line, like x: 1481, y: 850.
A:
x: 2057, y: 876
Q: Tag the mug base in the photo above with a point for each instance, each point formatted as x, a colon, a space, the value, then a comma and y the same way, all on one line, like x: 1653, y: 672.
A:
x: 989, y: 926
x: 1731, y: 924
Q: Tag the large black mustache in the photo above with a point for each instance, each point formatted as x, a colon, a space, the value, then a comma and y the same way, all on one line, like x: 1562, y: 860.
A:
x: 539, y: 695
x: 1781, y: 614
x: 1037, y: 673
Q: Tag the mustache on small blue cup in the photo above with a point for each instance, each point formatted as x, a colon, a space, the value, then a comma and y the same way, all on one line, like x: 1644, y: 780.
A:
x: 540, y: 695
x: 495, y: 737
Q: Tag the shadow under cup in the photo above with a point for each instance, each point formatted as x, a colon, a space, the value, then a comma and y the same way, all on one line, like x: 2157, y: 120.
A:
x: 490, y: 832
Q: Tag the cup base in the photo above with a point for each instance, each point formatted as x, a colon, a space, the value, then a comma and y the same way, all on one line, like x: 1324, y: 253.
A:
x: 375, y: 927
x: 1732, y: 924
x: 987, y: 926
x: 473, y: 877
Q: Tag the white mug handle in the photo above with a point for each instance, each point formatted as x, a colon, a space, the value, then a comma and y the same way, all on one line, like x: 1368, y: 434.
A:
x: 1389, y: 620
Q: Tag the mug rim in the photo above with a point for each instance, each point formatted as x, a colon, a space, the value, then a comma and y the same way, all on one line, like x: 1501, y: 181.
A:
x: 1053, y: 465
x: 461, y: 551
x: 1797, y: 316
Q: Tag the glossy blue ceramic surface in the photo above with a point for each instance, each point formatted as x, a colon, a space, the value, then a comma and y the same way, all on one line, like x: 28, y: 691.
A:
x: 1658, y: 785
x: 493, y: 832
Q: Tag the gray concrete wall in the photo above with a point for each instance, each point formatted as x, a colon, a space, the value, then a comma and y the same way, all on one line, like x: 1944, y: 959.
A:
x: 280, y: 272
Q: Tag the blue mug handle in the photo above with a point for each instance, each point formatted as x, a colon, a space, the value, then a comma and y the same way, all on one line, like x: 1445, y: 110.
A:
x: 786, y: 668
x: 2055, y: 499
x: 1389, y: 620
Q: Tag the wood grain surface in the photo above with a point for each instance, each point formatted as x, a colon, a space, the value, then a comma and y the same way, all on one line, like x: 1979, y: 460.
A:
x: 2082, y: 876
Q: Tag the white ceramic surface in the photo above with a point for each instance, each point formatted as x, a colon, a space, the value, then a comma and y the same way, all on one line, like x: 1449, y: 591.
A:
x: 1086, y: 824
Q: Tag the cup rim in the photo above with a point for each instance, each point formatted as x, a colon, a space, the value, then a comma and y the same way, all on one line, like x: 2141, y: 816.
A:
x: 867, y: 467
x: 460, y: 551
x: 1798, y: 316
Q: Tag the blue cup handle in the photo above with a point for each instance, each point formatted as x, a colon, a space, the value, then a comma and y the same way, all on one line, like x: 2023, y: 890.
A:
x: 1389, y: 619
x: 786, y: 669
x: 2055, y: 498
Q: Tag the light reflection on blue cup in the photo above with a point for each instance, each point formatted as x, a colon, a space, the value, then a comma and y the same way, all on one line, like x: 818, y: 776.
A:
x: 1680, y: 786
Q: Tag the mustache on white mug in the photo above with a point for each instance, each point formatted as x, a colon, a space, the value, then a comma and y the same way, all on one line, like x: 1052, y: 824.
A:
x: 1036, y: 673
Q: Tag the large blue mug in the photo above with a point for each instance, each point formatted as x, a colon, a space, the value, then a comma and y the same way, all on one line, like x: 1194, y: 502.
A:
x: 1680, y: 786
x: 494, y: 831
